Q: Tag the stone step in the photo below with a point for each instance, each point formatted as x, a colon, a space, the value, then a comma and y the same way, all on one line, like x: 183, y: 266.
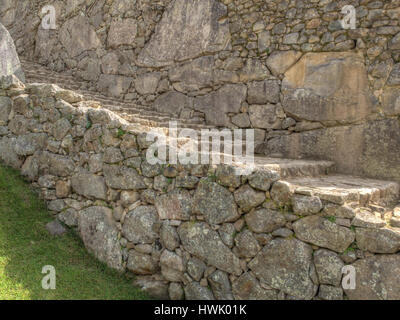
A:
x: 343, y: 189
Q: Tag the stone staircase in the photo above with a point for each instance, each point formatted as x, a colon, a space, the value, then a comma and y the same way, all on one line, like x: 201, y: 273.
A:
x: 347, y: 196
x: 140, y: 114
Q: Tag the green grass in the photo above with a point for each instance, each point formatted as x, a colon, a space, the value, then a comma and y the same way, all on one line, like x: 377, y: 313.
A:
x: 26, y: 246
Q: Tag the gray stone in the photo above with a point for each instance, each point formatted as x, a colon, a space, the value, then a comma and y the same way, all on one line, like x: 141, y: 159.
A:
x: 217, y: 105
x: 169, y: 237
x: 330, y: 293
x: 173, y: 103
x: 139, y: 225
x: 172, y: 266
x: 55, y: 164
x: 78, y: 36
x: 220, y: 285
x: 367, y: 219
x: 7, y: 153
x: 194, y: 291
x: 195, y: 268
x: 304, y: 206
x: 175, y: 205
x: 214, y: 202
x: 147, y: 83
x: 283, y: 233
x: 118, y: 177
x: 226, y: 176
x: 265, y: 220
x: 55, y: 228
x: 328, y: 266
x: 69, y: 217
x: 247, y: 198
x: 114, y: 85
x: 89, y: 185
x: 5, y: 109
x: 175, y: 291
x: 294, y: 260
x: 100, y: 235
x: 180, y: 35
x: 112, y: 155
x: 394, y: 77
x: 323, y: 233
x: 264, y: 117
x: 140, y: 263
x: 262, y: 180
x: 9, y: 61
x: 246, y: 244
x: 385, y: 240
x: 241, y: 120
x: 376, y: 278
x: 247, y: 287
x: 122, y: 33
x: 29, y: 143
x: 253, y: 70
x: 262, y: 92
x: 193, y: 76
x: 154, y: 288
x: 204, y: 243
x: 227, y: 232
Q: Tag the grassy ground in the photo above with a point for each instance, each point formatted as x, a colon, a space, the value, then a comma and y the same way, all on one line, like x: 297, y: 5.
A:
x: 25, y: 247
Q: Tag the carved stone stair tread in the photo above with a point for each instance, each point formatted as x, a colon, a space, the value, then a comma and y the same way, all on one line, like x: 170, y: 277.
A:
x: 343, y: 188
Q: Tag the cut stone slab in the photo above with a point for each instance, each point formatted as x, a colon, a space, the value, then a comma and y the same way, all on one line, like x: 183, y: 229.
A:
x: 323, y: 233
x: 89, y: 185
x: 384, y: 240
x: 370, y: 149
x: 339, y: 189
x: 187, y: 30
x: 287, y: 168
x: 294, y: 260
x: 9, y: 61
x: 377, y: 278
x: 327, y: 86
x: 368, y: 219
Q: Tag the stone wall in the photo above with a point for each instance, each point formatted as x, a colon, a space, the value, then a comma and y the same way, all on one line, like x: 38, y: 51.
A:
x: 285, y: 68
x: 193, y: 231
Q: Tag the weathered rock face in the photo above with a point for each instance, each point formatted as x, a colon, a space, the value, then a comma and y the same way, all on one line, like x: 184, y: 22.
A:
x: 9, y: 61
x: 77, y: 36
x: 187, y: 30
x: 203, y: 242
x: 377, y: 278
x: 327, y: 87
x: 100, y: 235
x: 292, y: 277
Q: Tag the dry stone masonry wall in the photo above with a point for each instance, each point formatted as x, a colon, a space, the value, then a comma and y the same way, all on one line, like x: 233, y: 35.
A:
x: 198, y: 231
x: 286, y: 68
